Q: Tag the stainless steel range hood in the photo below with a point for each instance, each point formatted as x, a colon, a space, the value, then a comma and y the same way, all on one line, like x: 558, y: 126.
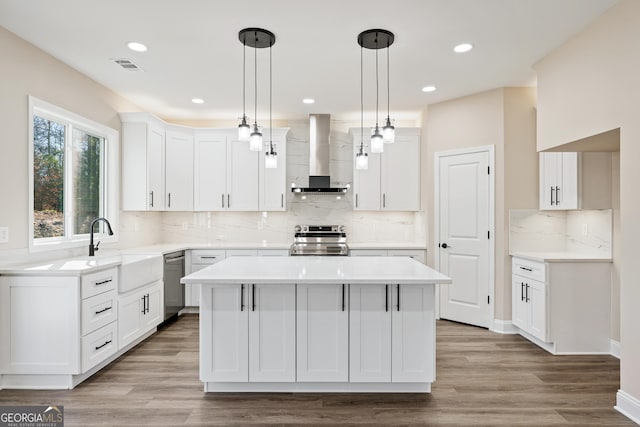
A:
x: 319, y: 145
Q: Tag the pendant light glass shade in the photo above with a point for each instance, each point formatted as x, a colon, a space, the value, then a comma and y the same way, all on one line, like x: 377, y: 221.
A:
x: 255, y: 140
x: 389, y: 132
x: 244, y: 130
x: 271, y: 158
x: 362, y: 161
x: 377, y: 144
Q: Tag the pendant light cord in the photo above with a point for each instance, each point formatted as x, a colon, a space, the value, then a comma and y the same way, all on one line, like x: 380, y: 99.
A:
x: 255, y: 75
x: 244, y: 77
x: 361, y: 103
x: 270, y: 102
x: 376, y: 82
x: 388, y: 90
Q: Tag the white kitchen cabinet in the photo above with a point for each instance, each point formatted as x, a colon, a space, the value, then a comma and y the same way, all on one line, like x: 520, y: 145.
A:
x: 392, y: 181
x: 196, y: 260
x: 322, y: 333
x: 241, y: 252
x: 143, y: 155
x: 226, y: 173
x: 178, y: 170
x: 370, y: 333
x: 564, y: 307
x: 417, y: 254
x: 272, y: 333
x: 368, y: 252
x: 224, y: 356
x: 530, y: 306
x: 73, y: 318
x: 273, y: 182
x: 413, y: 334
x: 573, y: 180
x: 140, y: 311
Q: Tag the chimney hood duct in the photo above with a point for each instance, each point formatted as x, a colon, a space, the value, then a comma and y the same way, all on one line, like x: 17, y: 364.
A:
x: 319, y: 144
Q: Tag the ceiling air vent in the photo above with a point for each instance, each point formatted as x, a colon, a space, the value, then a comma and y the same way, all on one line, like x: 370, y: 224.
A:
x: 127, y: 64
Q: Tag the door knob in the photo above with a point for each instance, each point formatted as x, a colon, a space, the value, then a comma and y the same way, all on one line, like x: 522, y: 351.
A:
x: 444, y: 246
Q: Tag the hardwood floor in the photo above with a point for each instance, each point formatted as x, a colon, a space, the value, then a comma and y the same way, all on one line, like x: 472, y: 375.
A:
x: 483, y: 379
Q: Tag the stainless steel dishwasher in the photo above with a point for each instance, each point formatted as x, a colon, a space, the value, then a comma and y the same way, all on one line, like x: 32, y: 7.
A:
x: 173, y: 289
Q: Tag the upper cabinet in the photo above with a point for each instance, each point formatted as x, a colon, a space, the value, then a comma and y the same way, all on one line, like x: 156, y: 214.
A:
x: 575, y: 181
x: 392, y: 181
x: 175, y: 168
x: 178, y: 170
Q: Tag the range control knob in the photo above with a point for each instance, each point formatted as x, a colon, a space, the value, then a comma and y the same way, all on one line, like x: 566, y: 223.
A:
x: 297, y: 228
x: 341, y: 229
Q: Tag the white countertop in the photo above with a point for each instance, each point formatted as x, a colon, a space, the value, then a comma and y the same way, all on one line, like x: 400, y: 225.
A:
x: 560, y: 256
x: 312, y: 269
x: 172, y: 247
x: 64, y: 267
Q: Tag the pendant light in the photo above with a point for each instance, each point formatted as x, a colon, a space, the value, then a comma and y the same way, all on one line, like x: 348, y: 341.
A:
x: 362, y: 158
x: 376, y: 39
x: 271, y: 157
x: 244, y: 130
x: 256, y: 38
x: 388, y: 131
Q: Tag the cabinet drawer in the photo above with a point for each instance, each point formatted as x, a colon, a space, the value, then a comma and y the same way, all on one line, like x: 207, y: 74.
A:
x: 207, y: 256
x: 99, y: 310
x: 367, y: 252
x: 417, y: 255
x: 97, y: 283
x: 529, y: 269
x: 99, y: 345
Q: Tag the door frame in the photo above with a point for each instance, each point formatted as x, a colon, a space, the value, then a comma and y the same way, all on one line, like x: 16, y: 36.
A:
x: 490, y: 149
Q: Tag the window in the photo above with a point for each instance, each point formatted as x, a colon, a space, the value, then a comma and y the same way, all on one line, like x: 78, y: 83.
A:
x: 73, y: 176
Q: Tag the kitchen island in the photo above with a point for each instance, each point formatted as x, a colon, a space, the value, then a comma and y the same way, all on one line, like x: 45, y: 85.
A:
x: 317, y: 324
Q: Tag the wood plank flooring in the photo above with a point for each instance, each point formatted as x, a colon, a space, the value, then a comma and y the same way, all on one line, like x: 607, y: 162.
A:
x: 483, y: 379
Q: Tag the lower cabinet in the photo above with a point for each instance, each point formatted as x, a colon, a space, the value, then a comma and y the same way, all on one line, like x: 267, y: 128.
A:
x: 317, y: 333
x: 140, y: 311
x: 529, y: 306
x: 323, y: 333
x: 392, y: 331
x: 252, y: 333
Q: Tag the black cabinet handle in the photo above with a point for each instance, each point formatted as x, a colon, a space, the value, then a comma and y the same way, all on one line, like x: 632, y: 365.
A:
x: 222, y: 199
x: 242, y: 297
x: 386, y: 297
x: 527, y: 293
x: 384, y: 200
x: 521, y: 291
x: 526, y: 269
x: 282, y: 200
x: 552, y: 201
x: 557, y: 196
x: 343, y: 297
x: 356, y: 200
x: 169, y: 200
x: 103, y: 310
x: 100, y: 346
x: 253, y: 297
x: 104, y: 282
x: 144, y: 304
x: 151, y: 194
x: 398, y: 301
x: 228, y: 201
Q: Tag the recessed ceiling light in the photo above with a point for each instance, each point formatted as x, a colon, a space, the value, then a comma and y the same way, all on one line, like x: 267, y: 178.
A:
x: 428, y: 88
x: 308, y: 101
x: 464, y: 47
x: 138, y: 47
x: 197, y: 101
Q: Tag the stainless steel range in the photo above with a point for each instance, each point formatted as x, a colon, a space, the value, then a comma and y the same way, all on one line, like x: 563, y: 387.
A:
x: 319, y: 240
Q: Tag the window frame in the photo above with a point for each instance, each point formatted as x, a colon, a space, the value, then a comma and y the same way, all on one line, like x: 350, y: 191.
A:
x: 109, y: 196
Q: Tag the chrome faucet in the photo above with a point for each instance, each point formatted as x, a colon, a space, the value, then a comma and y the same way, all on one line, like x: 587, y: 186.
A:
x: 93, y: 249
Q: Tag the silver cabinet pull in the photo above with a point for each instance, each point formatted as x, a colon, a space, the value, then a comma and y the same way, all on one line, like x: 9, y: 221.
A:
x: 151, y: 196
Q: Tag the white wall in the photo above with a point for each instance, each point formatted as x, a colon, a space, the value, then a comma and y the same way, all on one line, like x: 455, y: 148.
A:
x: 585, y: 87
x: 26, y: 70
x: 504, y: 118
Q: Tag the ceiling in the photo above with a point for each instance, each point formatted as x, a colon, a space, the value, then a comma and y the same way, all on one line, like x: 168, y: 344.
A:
x: 194, y: 49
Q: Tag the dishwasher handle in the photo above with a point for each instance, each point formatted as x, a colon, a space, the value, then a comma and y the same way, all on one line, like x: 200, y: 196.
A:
x: 174, y: 259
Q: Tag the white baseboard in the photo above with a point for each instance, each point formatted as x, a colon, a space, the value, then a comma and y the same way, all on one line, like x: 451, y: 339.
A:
x: 615, y: 348
x: 628, y: 406
x: 504, y: 327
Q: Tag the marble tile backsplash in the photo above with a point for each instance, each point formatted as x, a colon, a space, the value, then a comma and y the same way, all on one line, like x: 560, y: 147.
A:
x: 582, y: 231
x: 277, y: 227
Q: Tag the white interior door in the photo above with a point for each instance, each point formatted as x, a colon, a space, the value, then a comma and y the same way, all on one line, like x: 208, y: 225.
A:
x: 463, y: 197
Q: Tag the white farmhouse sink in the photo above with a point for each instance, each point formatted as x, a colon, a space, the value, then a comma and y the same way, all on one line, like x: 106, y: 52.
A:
x: 139, y: 269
